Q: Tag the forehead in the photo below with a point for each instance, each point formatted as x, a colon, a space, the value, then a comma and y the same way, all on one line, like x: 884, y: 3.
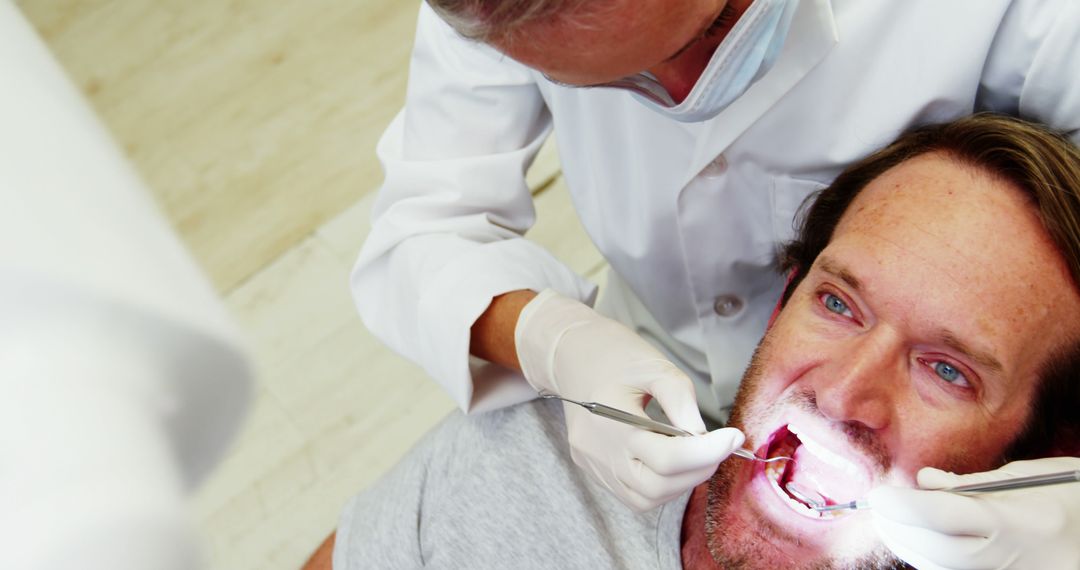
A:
x: 951, y: 242
x: 946, y: 210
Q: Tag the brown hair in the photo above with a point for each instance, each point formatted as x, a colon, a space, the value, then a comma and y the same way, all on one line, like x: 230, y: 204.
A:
x: 1046, y: 167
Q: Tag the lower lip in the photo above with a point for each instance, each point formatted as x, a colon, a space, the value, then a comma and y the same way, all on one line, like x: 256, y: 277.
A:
x: 798, y: 506
x: 781, y: 508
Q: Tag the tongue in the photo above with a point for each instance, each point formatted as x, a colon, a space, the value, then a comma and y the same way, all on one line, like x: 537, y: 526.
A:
x: 831, y: 482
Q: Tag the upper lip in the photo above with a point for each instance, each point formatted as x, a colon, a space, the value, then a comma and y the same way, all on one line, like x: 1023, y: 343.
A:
x: 828, y: 444
x: 826, y: 449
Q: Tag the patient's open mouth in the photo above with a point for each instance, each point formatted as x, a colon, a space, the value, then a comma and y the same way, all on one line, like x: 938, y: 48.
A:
x: 817, y: 474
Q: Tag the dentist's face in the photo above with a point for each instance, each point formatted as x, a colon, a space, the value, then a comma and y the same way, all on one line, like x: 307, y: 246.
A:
x: 672, y: 39
x: 915, y: 340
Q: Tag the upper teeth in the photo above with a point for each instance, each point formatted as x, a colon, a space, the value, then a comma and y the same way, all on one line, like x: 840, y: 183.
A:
x: 819, y: 451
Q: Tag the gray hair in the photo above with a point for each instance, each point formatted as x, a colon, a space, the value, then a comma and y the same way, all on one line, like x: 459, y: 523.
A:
x: 493, y: 20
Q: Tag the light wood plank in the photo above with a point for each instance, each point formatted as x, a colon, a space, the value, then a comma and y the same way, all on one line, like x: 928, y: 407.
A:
x: 252, y: 122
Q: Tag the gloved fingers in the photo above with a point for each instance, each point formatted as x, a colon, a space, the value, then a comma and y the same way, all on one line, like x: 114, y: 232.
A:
x: 596, y: 435
x: 602, y: 471
x: 674, y: 455
x: 674, y: 392
x: 1040, y: 466
x: 632, y: 497
x: 657, y: 487
x: 629, y: 496
x: 607, y: 478
x: 929, y: 550
x: 643, y: 490
x: 598, y: 447
x: 938, y: 511
x: 662, y: 500
x: 931, y: 478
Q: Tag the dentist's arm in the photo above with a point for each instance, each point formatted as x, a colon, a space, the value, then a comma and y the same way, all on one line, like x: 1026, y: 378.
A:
x: 1025, y: 528
x: 567, y: 348
x: 492, y: 335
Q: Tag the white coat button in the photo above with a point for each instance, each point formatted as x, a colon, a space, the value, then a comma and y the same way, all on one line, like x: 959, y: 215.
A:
x: 715, y: 168
x: 728, y: 305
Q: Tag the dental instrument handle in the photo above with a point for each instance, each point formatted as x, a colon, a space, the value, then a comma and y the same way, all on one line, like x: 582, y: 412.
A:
x: 988, y: 487
x: 1019, y: 482
x: 621, y: 416
x: 661, y: 428
x: 633, y: 419
x: 651, y: 425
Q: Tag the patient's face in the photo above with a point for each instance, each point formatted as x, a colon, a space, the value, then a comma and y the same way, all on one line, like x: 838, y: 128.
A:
x: 914, y: 340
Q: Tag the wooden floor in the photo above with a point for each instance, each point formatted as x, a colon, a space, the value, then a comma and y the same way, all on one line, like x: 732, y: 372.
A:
x: 253, y: 124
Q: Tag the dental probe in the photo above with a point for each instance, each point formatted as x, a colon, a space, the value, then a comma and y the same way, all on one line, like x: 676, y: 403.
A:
x: 975, y: 488
x: 654, y: 426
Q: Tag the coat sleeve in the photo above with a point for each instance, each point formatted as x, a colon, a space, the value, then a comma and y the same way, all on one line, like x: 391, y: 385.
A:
x: 448, y: 224
x: 1031, y: 69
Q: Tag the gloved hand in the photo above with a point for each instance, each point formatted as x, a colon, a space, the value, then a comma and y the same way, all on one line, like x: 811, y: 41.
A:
x: 569, y: 349
x: 1023, y: 528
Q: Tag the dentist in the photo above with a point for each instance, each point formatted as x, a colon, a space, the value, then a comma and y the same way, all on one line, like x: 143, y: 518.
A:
x: 689, y: 132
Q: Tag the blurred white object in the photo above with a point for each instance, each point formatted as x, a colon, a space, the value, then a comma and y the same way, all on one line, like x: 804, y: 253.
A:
x: 123, y: 379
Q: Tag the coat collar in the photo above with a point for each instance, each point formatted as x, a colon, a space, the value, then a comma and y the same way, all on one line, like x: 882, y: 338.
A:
x: 813, y: 34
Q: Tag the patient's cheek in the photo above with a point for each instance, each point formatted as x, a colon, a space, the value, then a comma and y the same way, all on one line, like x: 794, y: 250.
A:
x: 971, y: 448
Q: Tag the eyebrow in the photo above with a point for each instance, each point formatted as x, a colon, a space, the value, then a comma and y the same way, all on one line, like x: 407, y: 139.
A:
x: 987, y: 360
x: 832, y: 267
x: 948, y: 337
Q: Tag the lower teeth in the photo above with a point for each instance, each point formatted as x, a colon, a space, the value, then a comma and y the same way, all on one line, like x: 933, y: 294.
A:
x: 775, y: 473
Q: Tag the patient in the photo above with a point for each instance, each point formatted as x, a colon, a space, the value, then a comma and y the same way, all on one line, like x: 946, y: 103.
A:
x: 933, y: 320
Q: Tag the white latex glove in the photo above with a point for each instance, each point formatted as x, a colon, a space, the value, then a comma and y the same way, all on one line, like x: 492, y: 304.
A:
x: 1024, y: 528
x: 569, y: 349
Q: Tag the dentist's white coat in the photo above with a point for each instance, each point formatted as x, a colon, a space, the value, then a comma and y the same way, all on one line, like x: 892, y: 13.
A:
x: 688, y: 215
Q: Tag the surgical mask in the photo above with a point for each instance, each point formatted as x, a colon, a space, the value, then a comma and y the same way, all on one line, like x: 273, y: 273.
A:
x: 745, y: 55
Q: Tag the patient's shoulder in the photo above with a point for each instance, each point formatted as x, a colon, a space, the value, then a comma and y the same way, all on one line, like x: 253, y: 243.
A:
x: 511, y: 439
x: 465, y: 474
x: 494, y: 490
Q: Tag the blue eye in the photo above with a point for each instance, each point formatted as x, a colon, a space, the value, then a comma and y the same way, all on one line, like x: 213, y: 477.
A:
x: 949, y: 373
x: 835, y: 305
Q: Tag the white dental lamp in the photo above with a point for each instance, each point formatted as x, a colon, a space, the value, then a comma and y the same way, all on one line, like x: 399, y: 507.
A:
x: 122, y: 379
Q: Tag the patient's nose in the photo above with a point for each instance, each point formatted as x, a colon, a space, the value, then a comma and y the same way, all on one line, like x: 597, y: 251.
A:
x: 861, y: 381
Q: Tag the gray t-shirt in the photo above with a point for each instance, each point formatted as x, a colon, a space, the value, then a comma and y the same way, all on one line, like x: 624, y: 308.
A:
x: 499, y: 490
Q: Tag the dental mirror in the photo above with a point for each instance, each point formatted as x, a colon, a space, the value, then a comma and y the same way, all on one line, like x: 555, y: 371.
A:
x: 812, y: 499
